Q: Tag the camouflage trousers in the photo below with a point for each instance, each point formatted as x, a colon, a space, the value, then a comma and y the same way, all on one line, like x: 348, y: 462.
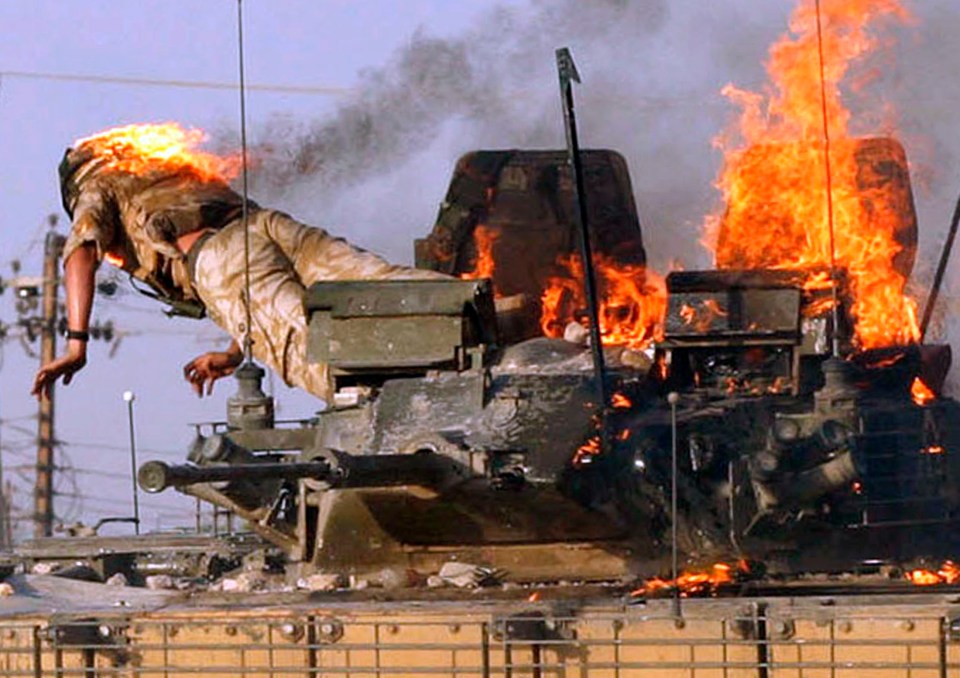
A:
x: 286, y: 257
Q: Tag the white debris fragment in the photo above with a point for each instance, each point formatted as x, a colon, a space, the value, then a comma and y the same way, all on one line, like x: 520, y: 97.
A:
x: 248, y: 582
x: 435, y: 581
x: 42, y: 568
x: 575, y: 333
x: 228, y: 584
x: 6, y: 589
x: 462, y: 575
x: 117, y: 579
x: 320, y: 582
x: 159, y: 582
x: 358, y: 583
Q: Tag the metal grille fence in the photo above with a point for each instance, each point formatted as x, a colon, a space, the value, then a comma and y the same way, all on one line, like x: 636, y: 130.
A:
x: 752, y: 644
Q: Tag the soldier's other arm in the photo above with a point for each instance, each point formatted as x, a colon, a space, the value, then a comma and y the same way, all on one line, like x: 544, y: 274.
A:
x: 79, y: 272
x: 205, y: 369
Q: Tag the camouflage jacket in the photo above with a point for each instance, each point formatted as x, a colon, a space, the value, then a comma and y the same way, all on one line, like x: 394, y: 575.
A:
x: 135, y: 220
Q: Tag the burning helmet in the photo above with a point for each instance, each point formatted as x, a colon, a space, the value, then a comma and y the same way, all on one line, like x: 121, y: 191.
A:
x: 74, y: 160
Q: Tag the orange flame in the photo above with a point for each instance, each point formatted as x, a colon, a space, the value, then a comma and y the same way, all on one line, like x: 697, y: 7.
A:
x: 702, y: 319
x: 773, y: 179
x: 633, y: 301
x: 114, y: 259
x: 948, y: 573
x: 921, y: 393
x: 139, y: 149
x: 694, y: 583
x: 483, y: 237
x: 620, y: 402
x: 586, y: 452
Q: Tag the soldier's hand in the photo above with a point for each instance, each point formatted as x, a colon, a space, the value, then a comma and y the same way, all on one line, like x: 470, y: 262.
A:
x: 65, y: 366
x: 205, y: 369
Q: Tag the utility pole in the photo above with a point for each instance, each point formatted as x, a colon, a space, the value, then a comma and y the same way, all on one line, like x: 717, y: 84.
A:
x: 43, y: 512
x: 5, y: 543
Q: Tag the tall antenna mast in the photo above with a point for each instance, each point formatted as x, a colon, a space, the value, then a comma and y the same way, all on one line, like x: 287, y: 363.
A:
x: 835, y: 344
x: 245, y: 213
x: 250, y: 408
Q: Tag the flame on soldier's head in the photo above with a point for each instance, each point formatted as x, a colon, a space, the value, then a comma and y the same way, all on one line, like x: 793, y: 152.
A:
x: 140, y: 149
x: 774, y: 176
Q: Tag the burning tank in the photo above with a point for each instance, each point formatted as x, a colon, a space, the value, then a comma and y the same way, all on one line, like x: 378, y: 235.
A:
x: 560, y: 412
x: 462, y: 430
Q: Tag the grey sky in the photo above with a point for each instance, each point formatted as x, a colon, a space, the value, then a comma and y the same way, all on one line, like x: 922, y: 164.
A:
x: 442, y: 78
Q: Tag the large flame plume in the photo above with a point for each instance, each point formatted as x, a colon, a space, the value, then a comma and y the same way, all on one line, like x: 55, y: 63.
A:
x: 774, y: 175
x: 168, y: 147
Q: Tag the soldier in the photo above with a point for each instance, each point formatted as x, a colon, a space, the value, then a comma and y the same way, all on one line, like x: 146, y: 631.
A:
x: 178, y: 228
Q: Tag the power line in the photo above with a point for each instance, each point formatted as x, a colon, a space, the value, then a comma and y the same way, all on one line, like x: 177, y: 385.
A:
x: 183, y: 84
x: 120, y: 448
x: 72, y: 469
x: 107, y: 501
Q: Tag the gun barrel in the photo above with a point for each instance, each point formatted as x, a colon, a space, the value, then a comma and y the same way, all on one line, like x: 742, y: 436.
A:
x: 156, y: 476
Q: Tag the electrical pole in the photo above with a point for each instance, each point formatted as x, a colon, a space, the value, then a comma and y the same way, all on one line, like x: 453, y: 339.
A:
x: 5, y: 543
x: 43, y: 512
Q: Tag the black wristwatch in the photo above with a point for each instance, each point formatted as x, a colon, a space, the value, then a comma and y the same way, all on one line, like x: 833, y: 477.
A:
x: 79, y: 335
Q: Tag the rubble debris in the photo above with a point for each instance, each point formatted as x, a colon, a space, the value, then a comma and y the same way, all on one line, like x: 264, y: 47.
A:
x: 321, y: 581
x: 465, y: 575
x: 118, y: 579
x: 575, y: 333
x: 244, y: 582
x: 395, y: 578
x: 159, y: 582
x: 6, y: 590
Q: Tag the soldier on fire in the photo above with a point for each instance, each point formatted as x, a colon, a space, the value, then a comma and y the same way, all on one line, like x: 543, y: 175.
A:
x: 171, y: 221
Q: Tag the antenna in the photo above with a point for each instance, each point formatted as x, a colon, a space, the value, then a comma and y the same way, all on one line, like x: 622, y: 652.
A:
x: 129, y: 397
x: 250, y: 408
x: 245, y: 210
x: 567, y: 71
x: 835, y: 344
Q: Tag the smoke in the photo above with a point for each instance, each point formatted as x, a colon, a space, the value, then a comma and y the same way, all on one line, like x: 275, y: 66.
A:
x: 376, y: 170
x: 652, y: 71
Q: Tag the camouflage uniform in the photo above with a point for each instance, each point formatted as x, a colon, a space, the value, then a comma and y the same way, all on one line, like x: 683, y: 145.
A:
x: 135, y: 220
x: 285, y: 258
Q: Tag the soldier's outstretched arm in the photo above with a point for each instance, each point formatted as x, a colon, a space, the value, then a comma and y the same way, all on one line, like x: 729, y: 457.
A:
x: 79, y: 272
x: 205, y: 369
